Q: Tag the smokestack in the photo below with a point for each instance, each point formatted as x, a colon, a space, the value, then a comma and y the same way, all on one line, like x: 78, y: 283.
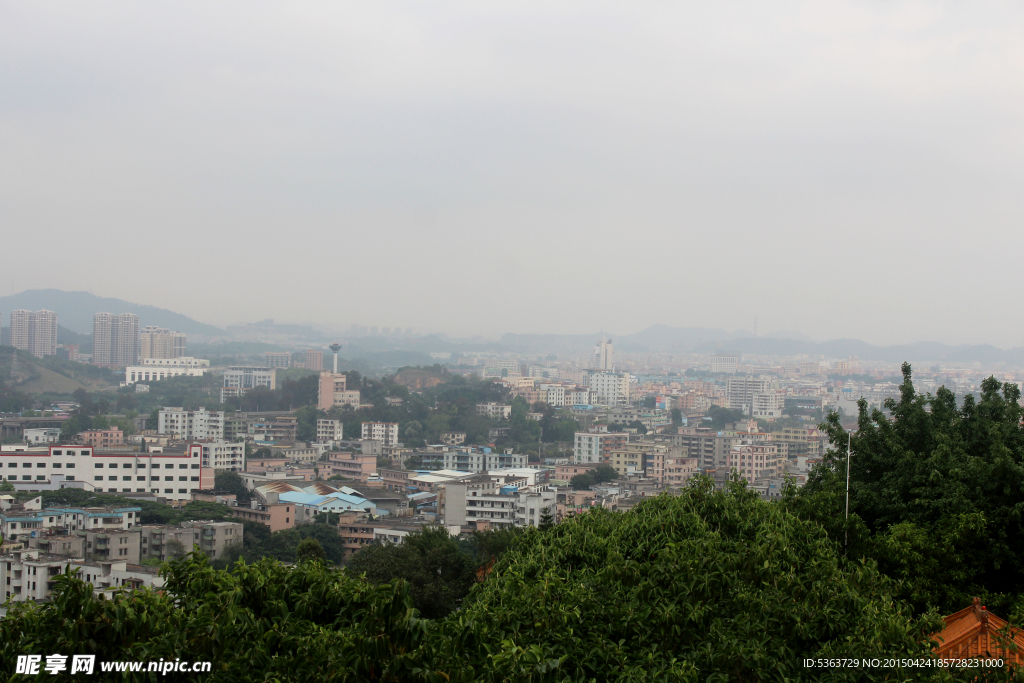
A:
x: 335, y: 348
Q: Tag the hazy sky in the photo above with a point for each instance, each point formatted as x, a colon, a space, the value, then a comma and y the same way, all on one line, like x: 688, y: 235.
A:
x: 845, y: 169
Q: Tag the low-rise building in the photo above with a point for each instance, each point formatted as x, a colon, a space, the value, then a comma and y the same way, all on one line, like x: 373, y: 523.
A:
x: 223, y: 455
x: 352, y: 465
x: 495, y: 411
x: 385, y: 432
x: 329, y: 431
x: 269, y: 511
x: 101, y: 438
x: 30, y: 574
x: 533, y: 506
x: 453, y: 438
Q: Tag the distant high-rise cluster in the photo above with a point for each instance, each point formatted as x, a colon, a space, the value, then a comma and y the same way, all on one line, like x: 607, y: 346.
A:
x: 115, y: 339
x: 35, y: 332
x: 160, y: 342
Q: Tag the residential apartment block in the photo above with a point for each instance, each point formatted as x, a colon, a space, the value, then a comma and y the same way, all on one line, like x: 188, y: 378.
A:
x: 115, y: 339
x: 314, y: 360
x: 334, y: 392
x: 30, y: 574
x: 610, y: 388
x: 191, y: 424
x: 594, y: 446
x: 385, y: 432
x: 35, y: 332
x: 101, y: 438
x: 222, y: 455
x: 160, y: 343
x: 755, y: 461
x: 329, y: 430
x: 495, y: 411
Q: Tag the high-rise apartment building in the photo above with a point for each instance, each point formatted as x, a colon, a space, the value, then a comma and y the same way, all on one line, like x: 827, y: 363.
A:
x: 611, y: 388
x: 160, y: 342
x: 603, y: 355
x: 35, y: 332
x: 315, y: 360
x: 741, y: 390
x: 115, y: 339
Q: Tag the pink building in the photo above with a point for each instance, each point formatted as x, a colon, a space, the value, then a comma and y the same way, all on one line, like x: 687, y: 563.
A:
x: 352, y: 465
x: 102, y: 437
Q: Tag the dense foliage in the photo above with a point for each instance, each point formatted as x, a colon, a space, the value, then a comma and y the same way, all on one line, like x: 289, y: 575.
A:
x: 258, y: 542
x: 936, y: 495
x: 598, y: 475
x: 707, y: 586
x: 430, y: 560
x: 262, y: 622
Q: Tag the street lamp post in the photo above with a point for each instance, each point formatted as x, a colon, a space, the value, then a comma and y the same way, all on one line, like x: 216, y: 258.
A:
x: 849, y: 448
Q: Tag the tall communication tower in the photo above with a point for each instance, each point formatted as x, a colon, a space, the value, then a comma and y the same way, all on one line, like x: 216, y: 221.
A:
x: 335, y: 348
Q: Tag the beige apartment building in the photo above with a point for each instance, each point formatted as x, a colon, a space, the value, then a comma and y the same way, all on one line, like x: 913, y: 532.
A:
x: 755, y: 461
x: 807, y: 441
x: 385, y: 432
x: 161, y: 343
x: 35, y: 332
x: 333, y: 392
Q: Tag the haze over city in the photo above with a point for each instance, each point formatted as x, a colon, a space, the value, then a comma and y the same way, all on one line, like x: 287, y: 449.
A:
x: 839, y: 169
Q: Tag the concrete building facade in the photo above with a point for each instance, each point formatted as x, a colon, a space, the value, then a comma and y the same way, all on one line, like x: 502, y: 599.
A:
x: 35, y: 332
x: 160, y: 343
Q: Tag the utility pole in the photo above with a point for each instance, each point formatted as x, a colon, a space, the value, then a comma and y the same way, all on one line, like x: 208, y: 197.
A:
x: 849, y: 449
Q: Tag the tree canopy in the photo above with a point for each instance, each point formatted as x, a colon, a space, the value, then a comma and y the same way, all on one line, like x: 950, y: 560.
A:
x: 708, y: 585
x: 936, y: 494
x: 439, y: 573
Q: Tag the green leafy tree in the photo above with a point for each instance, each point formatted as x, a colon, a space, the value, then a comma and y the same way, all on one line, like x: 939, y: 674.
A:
x: 305, y: 429
x: 935, y: 494
x: 722, y: 416
x: 582, y: 482
x: 439, y: 574
x: 547, y: 520
x: 231, y: 482
x: 310, y: 550
x: 6, y: 486
x: 604, y: 472
x: 175, y: 549
x: 677, y: 416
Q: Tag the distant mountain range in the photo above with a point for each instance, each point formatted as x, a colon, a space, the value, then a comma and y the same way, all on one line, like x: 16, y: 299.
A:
x: 75, y: 311
x: 664, y: 339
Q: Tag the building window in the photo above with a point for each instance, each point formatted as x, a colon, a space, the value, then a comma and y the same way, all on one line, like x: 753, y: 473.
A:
x: 168, y: 490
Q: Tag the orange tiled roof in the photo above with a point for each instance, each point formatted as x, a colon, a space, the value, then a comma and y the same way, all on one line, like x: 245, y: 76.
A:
x: 975, y: 632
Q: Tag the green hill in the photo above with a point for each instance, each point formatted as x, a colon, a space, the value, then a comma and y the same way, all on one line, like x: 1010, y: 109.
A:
x: 24, y: 372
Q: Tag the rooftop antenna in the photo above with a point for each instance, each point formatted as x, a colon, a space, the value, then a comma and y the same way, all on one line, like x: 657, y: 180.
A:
x: 335, y: 348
